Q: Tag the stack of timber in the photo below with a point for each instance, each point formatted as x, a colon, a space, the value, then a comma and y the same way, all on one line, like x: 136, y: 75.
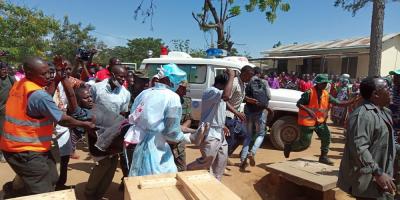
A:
x: 59, y: 195
x: 309, y: 173
x: 192, y: 185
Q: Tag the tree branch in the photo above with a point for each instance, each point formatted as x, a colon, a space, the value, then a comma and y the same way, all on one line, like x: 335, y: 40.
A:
x: 229, y: 16
x: 213, y: 11
x: 203, y: 24
x: 223, y: 17
x: 220, y: 9
x: 196, y: 18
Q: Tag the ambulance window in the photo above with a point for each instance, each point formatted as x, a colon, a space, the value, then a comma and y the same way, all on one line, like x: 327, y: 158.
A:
x: 195, y: 73
x: 219, y: 71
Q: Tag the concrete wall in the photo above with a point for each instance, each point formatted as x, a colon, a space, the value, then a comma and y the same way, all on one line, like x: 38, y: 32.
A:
x: 362, y: 65
x: 292, y: 63
x: 390, y: 60
x: 334, y: 65
x: 390, y: 55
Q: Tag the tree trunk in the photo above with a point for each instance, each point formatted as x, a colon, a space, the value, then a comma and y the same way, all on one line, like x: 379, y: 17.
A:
x: 375, y: 50
x: 221, y: 37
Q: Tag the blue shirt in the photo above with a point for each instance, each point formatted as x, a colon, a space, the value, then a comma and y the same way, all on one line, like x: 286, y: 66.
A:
x: 213, y: 110
x: 116, y: 100
x: 41, y: 104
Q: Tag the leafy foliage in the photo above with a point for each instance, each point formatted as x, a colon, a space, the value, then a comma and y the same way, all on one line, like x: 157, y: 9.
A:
x: 69, y: 37
x: 213, y: 16
x: 139, y: 47
x: 24, y: 31
x: 184, y: 46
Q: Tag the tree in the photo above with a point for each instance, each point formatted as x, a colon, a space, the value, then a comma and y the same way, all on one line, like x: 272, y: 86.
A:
x: 24, y: 31
x: 181, y: 45
x: 378, y: 12
x: 139, y: 47
x: 198, y: 53
x: 214, y: 17
x: 184, y: 46
x: 146, y: 13
x: 69, y: 37
x: 104, y: 54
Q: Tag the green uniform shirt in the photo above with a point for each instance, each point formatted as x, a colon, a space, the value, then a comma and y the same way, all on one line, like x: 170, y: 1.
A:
x: 186, y: 109
x: 370, y: 145
x: 305, y: 99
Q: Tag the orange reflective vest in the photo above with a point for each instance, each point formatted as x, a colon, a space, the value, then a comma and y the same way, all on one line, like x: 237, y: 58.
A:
x: 320, y: 109
x: 21, y: 132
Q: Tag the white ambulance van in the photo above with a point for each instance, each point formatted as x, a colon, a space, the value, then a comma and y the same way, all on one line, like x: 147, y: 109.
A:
x: 201, y: 73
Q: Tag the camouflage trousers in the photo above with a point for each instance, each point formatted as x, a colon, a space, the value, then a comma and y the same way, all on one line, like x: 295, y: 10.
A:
x: 178, y: 150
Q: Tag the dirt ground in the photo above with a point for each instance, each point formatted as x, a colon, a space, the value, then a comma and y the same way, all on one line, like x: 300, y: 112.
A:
x: 257, y: 183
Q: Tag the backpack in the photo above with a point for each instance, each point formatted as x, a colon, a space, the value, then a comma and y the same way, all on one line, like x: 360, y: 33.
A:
x: 258, y: 90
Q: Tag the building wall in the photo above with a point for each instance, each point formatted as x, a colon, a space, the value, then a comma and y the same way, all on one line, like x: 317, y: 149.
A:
x: 362, y: 65
x: 334, y: 65
x: 390, y: 55
x: 292, y: 63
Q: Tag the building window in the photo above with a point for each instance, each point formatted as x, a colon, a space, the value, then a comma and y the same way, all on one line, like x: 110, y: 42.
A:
x: 282, y: 66
x: 316, y: 65
x: 349, y: 66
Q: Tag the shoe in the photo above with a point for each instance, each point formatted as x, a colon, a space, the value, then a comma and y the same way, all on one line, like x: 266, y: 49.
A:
x: 243, y: 165
x: 64, y: 187
x: 251, y: 158
x: 286, y: 150
x: 8, y: 190
x: 325, y: 160
x: 121, y: 187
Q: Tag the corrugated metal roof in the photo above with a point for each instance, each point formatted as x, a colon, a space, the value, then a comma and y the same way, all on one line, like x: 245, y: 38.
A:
x: 360, y: 42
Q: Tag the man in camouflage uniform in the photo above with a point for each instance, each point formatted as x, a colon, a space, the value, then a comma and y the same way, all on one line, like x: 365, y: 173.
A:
x: 178, y: 150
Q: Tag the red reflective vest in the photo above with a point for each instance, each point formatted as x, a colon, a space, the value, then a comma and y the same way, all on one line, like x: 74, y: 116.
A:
x: 21, y: 132
x: 320, y: 109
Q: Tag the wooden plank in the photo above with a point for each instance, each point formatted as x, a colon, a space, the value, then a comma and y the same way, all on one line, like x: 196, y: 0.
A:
x: 157, y: 183
x: 183, y: 185
x: 307, y: 172
x: 61, y: 195
x: 203, y: 186
x: 133, y: 190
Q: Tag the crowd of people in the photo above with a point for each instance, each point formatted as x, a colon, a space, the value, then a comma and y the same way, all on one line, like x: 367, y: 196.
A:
x: 340, y: 87
x: 124, y: 116
x: 144, y: 123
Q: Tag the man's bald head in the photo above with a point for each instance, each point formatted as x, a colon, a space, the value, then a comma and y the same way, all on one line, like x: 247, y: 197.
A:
x: 119, y: 73
x: 376, y: 90
x: 32, y: 63
x: 37, y: 70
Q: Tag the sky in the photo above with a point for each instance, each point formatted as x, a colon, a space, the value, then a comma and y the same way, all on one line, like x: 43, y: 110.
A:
x: 307, y: 21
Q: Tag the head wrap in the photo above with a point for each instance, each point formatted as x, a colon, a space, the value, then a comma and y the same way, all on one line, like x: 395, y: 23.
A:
x: 175, y: 75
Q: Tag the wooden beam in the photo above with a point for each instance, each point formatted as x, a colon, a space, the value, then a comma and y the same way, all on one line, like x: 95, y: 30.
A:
x: 61, y: 195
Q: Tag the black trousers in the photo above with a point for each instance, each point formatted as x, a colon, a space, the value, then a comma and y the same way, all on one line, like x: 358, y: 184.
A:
x: 64, y: 160
x: 126, y: 164
x: 37, y: 171
x: 101, y: 177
